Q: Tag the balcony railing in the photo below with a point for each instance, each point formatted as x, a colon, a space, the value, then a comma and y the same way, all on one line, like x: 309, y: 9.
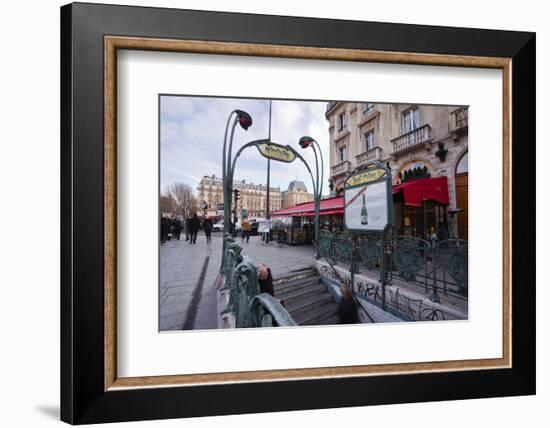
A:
x: 369, y: 155
x: 341, y: 168
x: 411, y: 139
x: 459, y: 119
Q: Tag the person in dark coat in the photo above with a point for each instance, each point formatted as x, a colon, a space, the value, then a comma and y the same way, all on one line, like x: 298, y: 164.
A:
x: 193, y: 226
x: 266, y: 280
x: 178, y: 227
x: 164, y: 229
x: 207, y: 226
x: 186, y: 226
x: 347, y: 308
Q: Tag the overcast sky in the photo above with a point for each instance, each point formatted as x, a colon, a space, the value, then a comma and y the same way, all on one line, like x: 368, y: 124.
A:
x: 192, y: 130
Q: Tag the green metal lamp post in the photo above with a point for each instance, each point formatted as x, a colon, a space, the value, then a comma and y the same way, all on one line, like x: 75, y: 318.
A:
x: 245, y: 121
x: 306, y: 142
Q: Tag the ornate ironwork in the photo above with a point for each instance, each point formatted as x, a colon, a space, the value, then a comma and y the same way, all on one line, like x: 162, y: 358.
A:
x: 266, y: 311
x: 441, y: 152
x: 326, y: 245
x: 343, y: 247
x: 370, y: 251
x: 247, y: 287
x: 410, y: 256
x: 250, y: 308
x: 232, y: 258
x: 452, y: 257
x: 431, y: 314
x: 316, y: 181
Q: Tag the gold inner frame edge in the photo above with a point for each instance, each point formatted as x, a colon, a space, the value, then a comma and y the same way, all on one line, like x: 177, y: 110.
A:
x: 113, y: 43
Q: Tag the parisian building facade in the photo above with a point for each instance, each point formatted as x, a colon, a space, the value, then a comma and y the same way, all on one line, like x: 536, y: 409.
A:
x: 413, y: 140
x: 295, y: 194
x: 252, y: 197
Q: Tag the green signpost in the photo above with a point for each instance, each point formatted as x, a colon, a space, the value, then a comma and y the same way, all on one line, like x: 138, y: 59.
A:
x: 368, y: 209
x: 276, y: 152
x: 269, y: 150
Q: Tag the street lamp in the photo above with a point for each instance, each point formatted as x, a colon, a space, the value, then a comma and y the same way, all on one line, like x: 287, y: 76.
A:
x: 306, y: 142
x: 245, y: 121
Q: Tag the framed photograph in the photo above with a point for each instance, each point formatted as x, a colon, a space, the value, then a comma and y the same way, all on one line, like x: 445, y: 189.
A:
x: 276, y: 213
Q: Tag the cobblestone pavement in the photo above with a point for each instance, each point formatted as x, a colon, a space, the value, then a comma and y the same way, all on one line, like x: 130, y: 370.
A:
x: 180, y: 269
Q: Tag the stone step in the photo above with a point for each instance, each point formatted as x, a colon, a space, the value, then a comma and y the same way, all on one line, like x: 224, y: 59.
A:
x: 296, y: 284
x: 306, y: 298
x: 332, y: 320
x: 298, y: 306
x: 298, y: 292
x: 296, y: 275
x: 318, y: 314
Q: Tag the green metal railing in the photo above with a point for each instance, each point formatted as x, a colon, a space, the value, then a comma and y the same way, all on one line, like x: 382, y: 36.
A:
x: 249, y: 307
x: 440, y: 267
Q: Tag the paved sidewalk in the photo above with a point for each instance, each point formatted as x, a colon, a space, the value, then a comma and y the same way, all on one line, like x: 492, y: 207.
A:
x: 280, y: 259
x: 180, y: 270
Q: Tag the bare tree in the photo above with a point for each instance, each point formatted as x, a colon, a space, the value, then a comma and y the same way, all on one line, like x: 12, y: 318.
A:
x: 184, y: 203
x: 167, y: 203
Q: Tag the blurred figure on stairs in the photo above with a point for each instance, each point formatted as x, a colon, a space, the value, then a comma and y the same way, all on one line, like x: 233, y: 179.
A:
x: 347, y: 308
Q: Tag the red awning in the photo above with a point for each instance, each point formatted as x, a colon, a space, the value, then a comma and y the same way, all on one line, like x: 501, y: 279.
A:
x: 414, y: 192
x: 424, y: 189
x: 328, y: 206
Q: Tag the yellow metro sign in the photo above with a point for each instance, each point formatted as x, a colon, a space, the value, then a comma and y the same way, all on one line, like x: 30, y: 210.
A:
x: 277, y: 152
x: 365, y: 177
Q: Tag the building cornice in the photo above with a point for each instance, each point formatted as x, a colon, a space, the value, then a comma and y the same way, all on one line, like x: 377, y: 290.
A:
x: 369, y: 117
x: 332, y: 107
x: 341, y: 135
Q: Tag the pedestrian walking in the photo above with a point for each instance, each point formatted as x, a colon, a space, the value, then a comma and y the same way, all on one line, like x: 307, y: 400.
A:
x: 185, y: 224
x: 207, y: 226
x: 245, y: 227
x: 178, y: 227
x: 164, y: 229
x: 193, y: 226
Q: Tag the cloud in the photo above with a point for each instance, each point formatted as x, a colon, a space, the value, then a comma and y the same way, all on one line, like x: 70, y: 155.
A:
x: 192, y: 131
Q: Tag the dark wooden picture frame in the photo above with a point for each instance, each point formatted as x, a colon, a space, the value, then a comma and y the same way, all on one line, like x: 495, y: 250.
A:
x: 91, y: 392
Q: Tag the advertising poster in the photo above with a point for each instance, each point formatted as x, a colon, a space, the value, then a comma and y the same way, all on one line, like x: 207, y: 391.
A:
x: 367, y: 207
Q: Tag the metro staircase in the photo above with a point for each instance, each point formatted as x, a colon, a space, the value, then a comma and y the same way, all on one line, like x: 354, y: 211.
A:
x: 306, y: 298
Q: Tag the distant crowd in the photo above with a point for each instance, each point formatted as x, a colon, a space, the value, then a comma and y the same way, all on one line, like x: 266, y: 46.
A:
x: 173, y: 228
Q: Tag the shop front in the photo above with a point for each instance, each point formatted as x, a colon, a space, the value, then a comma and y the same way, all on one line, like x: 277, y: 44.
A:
x: 420, y: 208
x: 296, y: 225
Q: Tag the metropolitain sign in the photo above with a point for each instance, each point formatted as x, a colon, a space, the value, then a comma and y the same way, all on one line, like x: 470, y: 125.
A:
x: 277, y: 152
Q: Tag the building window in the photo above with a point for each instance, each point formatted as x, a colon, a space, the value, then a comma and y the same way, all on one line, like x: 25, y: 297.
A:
x: 411, y: 120
x: 368, y: 107
x: 343, y: 153
x: 462, y: 167
x: 369, y: 140
x: 342, y: 121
